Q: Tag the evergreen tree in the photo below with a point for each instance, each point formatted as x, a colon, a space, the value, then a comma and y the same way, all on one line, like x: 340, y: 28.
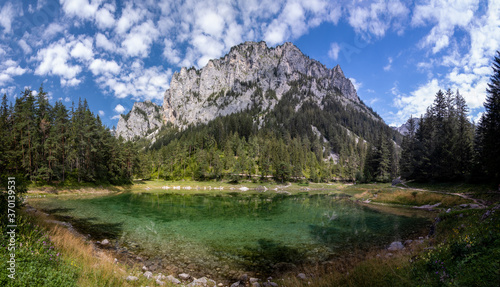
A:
x: 488, y: 132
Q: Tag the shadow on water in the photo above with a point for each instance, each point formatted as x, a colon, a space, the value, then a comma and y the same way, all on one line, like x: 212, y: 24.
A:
x: 97, y: 231
x: 270, y: 257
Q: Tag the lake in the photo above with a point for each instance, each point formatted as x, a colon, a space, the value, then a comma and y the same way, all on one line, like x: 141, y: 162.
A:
x: 228, y: 234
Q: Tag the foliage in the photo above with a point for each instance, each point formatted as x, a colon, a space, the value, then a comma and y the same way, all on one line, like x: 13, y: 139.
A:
x: 49, y: 144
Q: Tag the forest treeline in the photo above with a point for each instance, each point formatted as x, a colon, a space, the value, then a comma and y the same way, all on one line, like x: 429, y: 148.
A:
x: 300, y: 139
x: 50, y: 144
x: 443, y: 145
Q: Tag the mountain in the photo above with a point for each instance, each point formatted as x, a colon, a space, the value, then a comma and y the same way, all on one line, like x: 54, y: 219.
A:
x: 266, y: 111
x: 143, y: 119
x: 251, y: 74
x: 404, y: 129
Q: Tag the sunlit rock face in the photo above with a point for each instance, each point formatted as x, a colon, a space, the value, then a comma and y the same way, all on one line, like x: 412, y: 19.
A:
x: 250, y: 74
x: 144, y: 118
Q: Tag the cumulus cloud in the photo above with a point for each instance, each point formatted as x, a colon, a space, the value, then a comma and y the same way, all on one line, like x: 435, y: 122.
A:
x: 8, y: 70
x: 416, y: 103
x: 100, y: 66
x: 26, y: 48
x: 82, y: 9
x: 377, y: 17
x: 102, y: 113
x: 334, y: 51
x: 7, y: 14
x: 119, y: 109
x: 102, y: 42
x: 56, y: 60
x: 140, y: 39
x: 389, y: 64
x: 137, y: 82
x: 446, y: 15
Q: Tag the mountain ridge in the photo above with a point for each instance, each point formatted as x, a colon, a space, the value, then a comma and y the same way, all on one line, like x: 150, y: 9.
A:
x: 250, y: 74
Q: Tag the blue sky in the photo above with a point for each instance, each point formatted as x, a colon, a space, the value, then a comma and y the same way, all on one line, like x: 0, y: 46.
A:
x: 397, y: 53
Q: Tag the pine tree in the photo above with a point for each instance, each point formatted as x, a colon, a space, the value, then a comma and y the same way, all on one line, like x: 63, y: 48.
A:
x: 488, y: 133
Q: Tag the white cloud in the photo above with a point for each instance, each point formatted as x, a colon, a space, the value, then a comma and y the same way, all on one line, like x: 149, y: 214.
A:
x: 446, y: 15
x: 104, y: 17
x: 416, y: 103
x: 67, y: 99
x: 102, y: 42
x: 100, y: 66
x: 119, y: 109
x: 130, y: 16
x: 389, y: 64
x: 7, y: 15
x: 377, y: 17
x: 82, y: 9
x: 140, y: 39
x: 83, y: 49
x: 26, y: 48
x: 55, y: 60
x: 102, y: 113
x: 357, y: 85
x: 137, y: 82
x: 334, y: 51
x: 8, y: 70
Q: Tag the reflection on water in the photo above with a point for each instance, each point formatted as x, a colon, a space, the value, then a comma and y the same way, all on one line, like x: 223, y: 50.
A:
x: 224, y: 233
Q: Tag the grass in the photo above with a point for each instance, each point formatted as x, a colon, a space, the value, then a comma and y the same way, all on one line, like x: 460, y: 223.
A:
x: 385, y: 193
x: 50, y: 255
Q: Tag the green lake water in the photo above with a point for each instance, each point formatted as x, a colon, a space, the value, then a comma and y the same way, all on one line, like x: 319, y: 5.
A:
x: 224, y: 234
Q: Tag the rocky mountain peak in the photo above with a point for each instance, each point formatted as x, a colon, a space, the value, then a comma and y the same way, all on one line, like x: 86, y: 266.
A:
x: 243, y: 78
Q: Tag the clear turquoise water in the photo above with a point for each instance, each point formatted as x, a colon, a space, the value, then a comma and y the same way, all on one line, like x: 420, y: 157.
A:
x: 232, y: 232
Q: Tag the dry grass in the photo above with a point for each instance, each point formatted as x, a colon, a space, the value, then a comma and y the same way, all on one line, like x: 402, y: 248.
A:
x: 95, y: 267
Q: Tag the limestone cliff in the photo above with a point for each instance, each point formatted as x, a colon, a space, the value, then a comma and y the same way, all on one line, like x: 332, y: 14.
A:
x: 250, y: 74
x: 143, y: 119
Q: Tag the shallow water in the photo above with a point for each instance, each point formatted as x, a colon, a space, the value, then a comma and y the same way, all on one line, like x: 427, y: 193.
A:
x: 225, y: 234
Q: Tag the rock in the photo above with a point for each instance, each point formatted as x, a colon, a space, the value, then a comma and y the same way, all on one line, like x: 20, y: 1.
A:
x: 172, y: 279
x: 115, y: 261
x: 252, y: 280
x: 131, y: 278
x: 105, y: 242
x: 203, y: 281
x: 184, y: 276
x: 302, y: 276
x: 236, y: 284
x: 395, y: 246
x: 244, y: 277
x: 144, y: 268
x: 227, y: 85
x: 255, y: 284
x: 148, y: 274
x: 142, y: 118
x: 408, y: 242
x: 159, y: 282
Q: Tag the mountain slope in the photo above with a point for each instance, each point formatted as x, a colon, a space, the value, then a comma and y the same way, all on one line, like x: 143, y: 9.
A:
x: 250, y: 74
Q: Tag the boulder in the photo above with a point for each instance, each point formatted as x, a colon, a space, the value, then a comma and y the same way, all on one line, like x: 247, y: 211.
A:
x: 302, y: 276
x: 148, y: 274
x: 105, y: 242
x: 184, y: 276
x: 131, y: 278
x: 172, y: 279
x: 395, y: 246
x: 203, y: 281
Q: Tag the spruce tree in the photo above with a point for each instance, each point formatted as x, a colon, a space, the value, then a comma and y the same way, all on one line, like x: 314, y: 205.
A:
x: 488, y: 133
